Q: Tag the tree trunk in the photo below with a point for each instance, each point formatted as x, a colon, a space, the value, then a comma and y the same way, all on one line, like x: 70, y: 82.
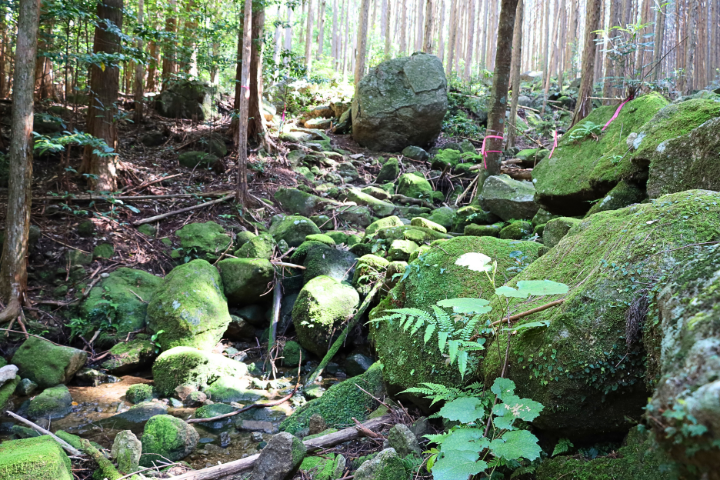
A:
x: 152, y: 66
x: 361, y: 43
x: 515, y: 76
x: 441, y: 32
x: 403, y: 28
x: 420, y: 32
x: 169, y: 64
x: 429, y: 17
x: 288, y: 32
x: 584, y: 105
x: 470, y: 42
x: 104, y: 88
x: 321, y: 30
x: 334, y: 38
x: 244, y: 101
x: 13, y: 265
x: 691, y: 67
x: 549, y: 62
x: 3, y: 53
x: 188, y: 62
x: 572, y: 38
x: 139, y: 73
x: 308, y: 37
x: 608, y: 90
x: 388, y: 42
x: 501, y: 80
x: 278, y: 38
x: 451, y: 38
x: 483, y: 50
x: 257, y: 127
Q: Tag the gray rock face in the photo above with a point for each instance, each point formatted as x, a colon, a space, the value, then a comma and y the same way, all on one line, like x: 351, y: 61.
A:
x: 509, y: 199
x: 52, y: 403
x: 403, y: 440
x: 8, y: 372
x: 416, y: 153
x: 386, y: 466
x: 185, y: 99
x: 126, y: 451
x: 280, y: 458
x: 401, y: 102
x: 357, y: 364
x: 556, y: 229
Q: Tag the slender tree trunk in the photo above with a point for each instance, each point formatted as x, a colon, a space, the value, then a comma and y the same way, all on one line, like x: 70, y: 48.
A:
x: 104, y: 89
x: 188, y: 62
x: 691, y: 67
x: 3, y: 53
x: 388, y: 41
x: 470, y: 41
x: 13, y: 264
x: 403, y: 27
x: 608, y: 90
x: 169, y: 64
x: 451, y: 38
x: 308, y: 36
x: 428, y: 36
x: 501, y: 80
x: 288, y: 31
x: 245, y: 47
x: 361, y: 43
x: 549, y: 62
x: 572, y: 38
x: 321, y: 30
x: 592, y: 19
x: 139, y: 72
x: 483, y: 50
x: 419, y: 33
x: 152, y: 66
x: 257, y: 124
x: 515, y: 76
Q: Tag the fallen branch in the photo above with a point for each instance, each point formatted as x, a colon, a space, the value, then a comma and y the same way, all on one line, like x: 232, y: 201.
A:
x: 272, y: 336
x: 110, y: 198
x: 288, y: 265
x: 66, y: 446
x: 343, y: 336
x: 528, y: 313
x: 182, y: 210
x: 107, y: 469
x: 245, y: 464
x: 147, y: 184
x: 411, y: 201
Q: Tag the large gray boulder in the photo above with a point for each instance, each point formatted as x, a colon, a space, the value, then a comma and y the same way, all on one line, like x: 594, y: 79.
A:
x: 401, y: 102
x: 185, y: 99
x: 280, y: 458
x: 509, y: 199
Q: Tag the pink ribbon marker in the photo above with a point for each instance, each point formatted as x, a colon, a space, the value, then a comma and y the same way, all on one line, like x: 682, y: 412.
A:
x: 554, y: 145
x: 484, y: 152
x: 617, y: 112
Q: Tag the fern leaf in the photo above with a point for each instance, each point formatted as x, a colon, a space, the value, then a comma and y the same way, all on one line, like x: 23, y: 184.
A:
x: 429, y: 331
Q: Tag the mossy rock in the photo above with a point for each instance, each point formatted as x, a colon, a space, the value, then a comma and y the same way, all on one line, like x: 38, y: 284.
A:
x: 331, y: 262
x: 322, y: 306
x: 543, y: 216
x: 389, y: 171
x: 261, y: 246
x: 414, y: 186
x: 129, y: 357
x: 338, y: 237
x: 34, y: 458
x: 639, y: 459
x: 300, y: 203
x: 245, y: 280
x: 429, y: 224
x: 322, y: 238
x: 410, y: 361
x: 327, y: 467
x: 582, y: 368
x: 228, y: 389
x: 48, y: 364
x: 116, y: 296
x: 444, y: 216
x: 213, y: 410
x: 197, y: 159
x: 472, y: 214
x: 509, y: 198
x: 341, y: 402
x: 379, y: 207
x: 531, y: 156
x: 104, y: 251
x: 622, y: 195
x: 516, y: 230
x: 585, y: 170
x: 369, y: 269
x: 292, y: 353
x: 167, y: 438
x: 455, y: 159
x: 241, y: 238
x: 484, y: 230
x: 52, y: 403
x: 13, y: 386
x: 204, y: 240
x: 293, y: 229
x: 357, y: 216
x: 189, y: 366
x: 189, y: 308
x: 556, y: 229
x: 400, y: 250
x: 138, y: 393
x: 386, y: 465
x: 387, y: 222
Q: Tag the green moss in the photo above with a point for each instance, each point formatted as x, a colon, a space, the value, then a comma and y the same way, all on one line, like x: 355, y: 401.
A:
x: 453, y: 159
x: 52, y: 403
x: 340, y: 403
x: 326, y: 239
x: 414, y: 186
x: 400, y: 250
x: 516, y: 230
x: 338, y: 237
x: 292, y: 353
x: 368, y: 270
x: 429, y: 224
x: 213, y: 410
x: 130, y: 356
x: 167, y: 438
x: 241, y: 238
x: 188, y: 366
x: 46, y: 363
x: 204, y: 240
x: 293, y: 230
x: 379, y: 207
x: 34, y: 458
x: 580, y: 367
x: 7, y: 389
x: 197, y: 159
x: 472, y: 215
x: 386, y: 222
x: 585, y: 170
x: 622, y: 195
x: 434, y: 276
x: 484, y: 230
x: 105, y: 250
x: 389, y: 171
x: 261, y: 246
x: 138, y: 393
x: 245, y: 280
x: 556, y: 229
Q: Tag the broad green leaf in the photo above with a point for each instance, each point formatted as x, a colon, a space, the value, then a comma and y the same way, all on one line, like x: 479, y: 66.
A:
x: 503, y: 386
x: 510, y: 292
x: 504, y: 422
x: 442, y: 338
x: 527, y: 326
x: 477, y: 262
x: 462, y: 362
x: 436, y: 438
x: 459, y: 466
x: 516, y: 444
x: 463, y: 410
x: 542, y: 287
x: 466, y: 305
x: 464, y: 439
x: 522, y: 408
x: 429, y: 331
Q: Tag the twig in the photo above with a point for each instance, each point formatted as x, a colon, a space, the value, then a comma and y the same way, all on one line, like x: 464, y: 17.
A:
x: 64, y: 244
x: 365, y: 431
x: 30, y: 334
x: 529, y: 312
x: 272, y: 336
x: 66, y: 446
x: 147, y: 184
x: 288, y: 265
x: 182, y: 210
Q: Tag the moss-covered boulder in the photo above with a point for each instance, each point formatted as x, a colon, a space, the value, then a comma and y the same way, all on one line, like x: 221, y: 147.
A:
x: 293, y: 353
x: 48, y: 364
x: 400, y: 250
x: 34, y: 458
x: 386, y: 222
x: 261, y: 246
x: 322, y: 306
x: 138, y: 393
x: 379, y: 207
x: 246, y: 279
x: 639, y: 459
x: 410, y: 361
x: 167, y: 438
x: 429, y: 224
x: 516, y: 230
x: 684, y: 347
x: 116, y: 297
x: 52, y: 403
x: 228, y: 389
x: 624, y: 194
x: 588, y: 367
x: 357, y: 216
x: 484, y: 230
x: 293, y: 229
x: 508, y: 198
x: 299, y: 202
x: 588, y: 163
x: 280, y: 458
x: 389, y: 171
x: 129, y: 357
x: 387, y: 465
x: 196, y: 159
x: 189, y: 308
x: 369, y: 270
x: 322, y: 238
x: 687, y: 162
x: 326, y: 467
x: 414, y: 186
x: 341, y: 402
x: 444, y: 216
x: 556, y: 229
x: 472, y: 214
x: 331, y: 262
x: 203, y: 240
x: 192, y: 367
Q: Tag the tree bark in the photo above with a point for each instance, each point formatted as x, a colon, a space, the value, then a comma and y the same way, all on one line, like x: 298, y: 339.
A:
x: 501, y: 79
x: 388, y: 42
x: 288, y: 31
x: 3, y: 53
x: 428, y: 35
x: 361, y: 43
x: 104, y: 89
x: 690, y: 64
x: 403, y: 27
x: 608, y: 90
x: 584, y: 105
x: 244, y: 103
x: 308, y: 37
x: 451, y: 38
x: 321, y: 30
x: 515, y: 76
x: 169, y: 64
x: 257, y: 124
x: 13, y: 264
x: 470, y: 42
x: 139, y: 73
x: 152, y: 66
x: 188, y: 62
x: 420, y: 31
x: 441, y: 31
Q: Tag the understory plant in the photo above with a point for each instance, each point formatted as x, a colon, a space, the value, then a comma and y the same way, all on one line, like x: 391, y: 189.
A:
x: 488, y: 431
